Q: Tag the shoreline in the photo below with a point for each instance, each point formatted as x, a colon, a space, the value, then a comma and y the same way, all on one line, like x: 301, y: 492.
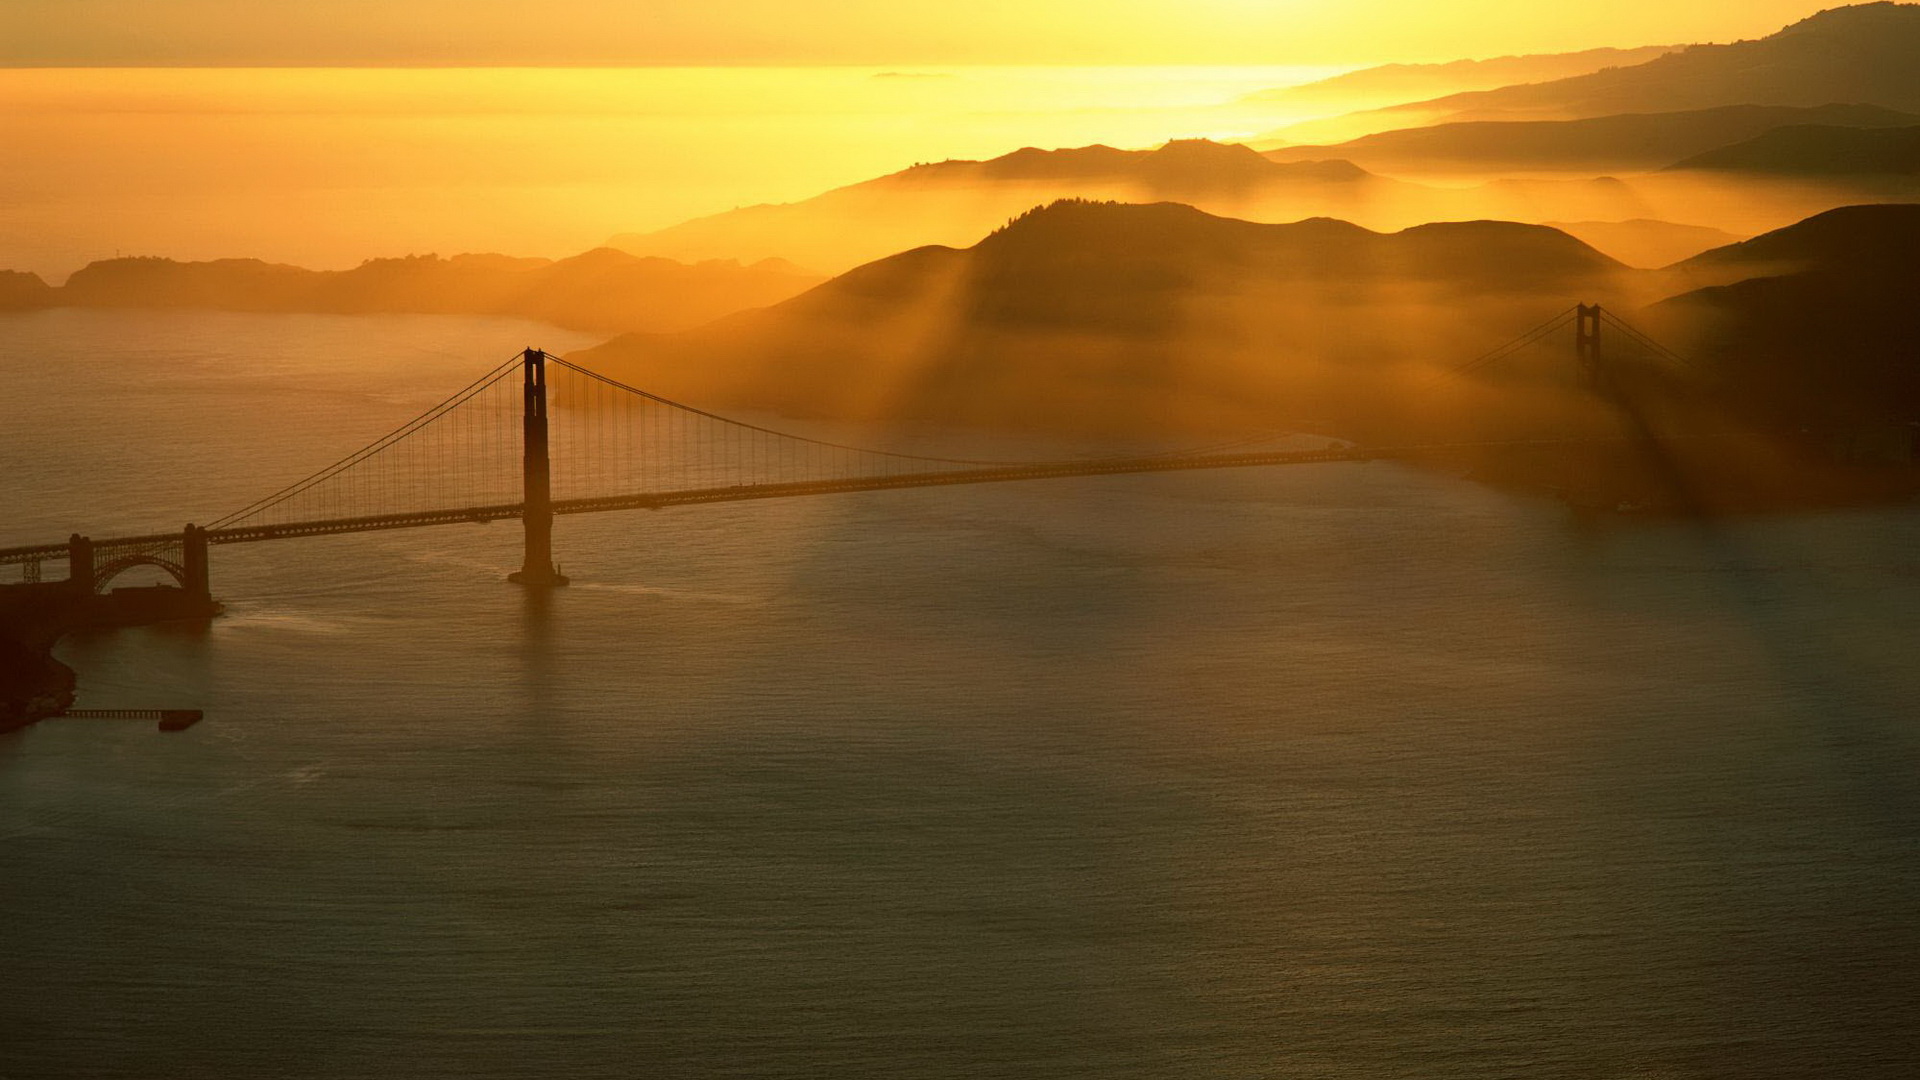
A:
x: 34, y: 684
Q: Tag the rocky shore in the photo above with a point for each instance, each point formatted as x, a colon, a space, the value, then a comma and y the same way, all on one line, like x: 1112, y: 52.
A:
x: 35, y: 686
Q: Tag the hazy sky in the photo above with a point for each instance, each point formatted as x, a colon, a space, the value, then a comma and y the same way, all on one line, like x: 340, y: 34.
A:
x: 698, y: 32
x: 702, y: 105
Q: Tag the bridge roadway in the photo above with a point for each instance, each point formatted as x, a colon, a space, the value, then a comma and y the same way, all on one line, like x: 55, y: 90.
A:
x: 247, y: 534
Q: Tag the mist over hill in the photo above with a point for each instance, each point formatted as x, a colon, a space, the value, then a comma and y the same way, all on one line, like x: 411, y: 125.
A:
x: 1136, y: 321
x: 1127, y: 318
x: 956, y: 202
x: 1644, y: 242
x: 1529, y: 172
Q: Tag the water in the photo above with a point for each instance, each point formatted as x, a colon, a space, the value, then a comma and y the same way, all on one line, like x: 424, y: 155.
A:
x: 1331, y: 771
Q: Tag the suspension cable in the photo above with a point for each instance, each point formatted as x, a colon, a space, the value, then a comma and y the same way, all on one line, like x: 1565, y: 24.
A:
x: 617, y: 384
x: 1647, y: 341
x: 460, y: 398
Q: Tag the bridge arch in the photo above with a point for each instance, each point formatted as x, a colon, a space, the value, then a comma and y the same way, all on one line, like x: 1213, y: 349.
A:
x: 107, y: 571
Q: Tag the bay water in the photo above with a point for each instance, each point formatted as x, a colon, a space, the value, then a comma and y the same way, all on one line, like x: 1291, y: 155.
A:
x: 1346, y: 770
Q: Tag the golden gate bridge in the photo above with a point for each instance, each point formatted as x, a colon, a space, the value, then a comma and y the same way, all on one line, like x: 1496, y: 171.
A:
x: 627, y: 449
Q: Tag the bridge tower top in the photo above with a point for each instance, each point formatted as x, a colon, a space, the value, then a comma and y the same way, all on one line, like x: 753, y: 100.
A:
x: 1586, y: 343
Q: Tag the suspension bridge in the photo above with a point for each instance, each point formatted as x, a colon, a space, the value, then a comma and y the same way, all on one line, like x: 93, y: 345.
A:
x: 493, y: 450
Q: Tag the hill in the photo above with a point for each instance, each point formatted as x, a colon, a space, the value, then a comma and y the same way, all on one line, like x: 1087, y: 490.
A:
x: 1862, y: 54
x: 1632, y: 142
x: 1816, y: 327
x: 600, y: 290
x: 1817, y: 150
x: 957, y: 202
x: 1882, y: 240
x: 1127, y: 318
x: 1136, y: 321
x: 22, y: 291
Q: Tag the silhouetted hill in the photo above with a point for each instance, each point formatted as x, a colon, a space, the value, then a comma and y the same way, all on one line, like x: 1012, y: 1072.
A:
x: 1826, y: 334
x: 1072, y: 239
x: 1123, y: 317
x: 1405, y: 82
x: 1874, y: 240
x: 1183, y: 166
x: 20, y: 290
x: 956, y: 202
x: 1641, y: 141
x: 599, y: 290
x: 1814, y: 150
x: 233, y: 284
x: 1863, y: 53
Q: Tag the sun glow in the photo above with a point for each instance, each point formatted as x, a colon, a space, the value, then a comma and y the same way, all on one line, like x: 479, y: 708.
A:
x: 327, y: 167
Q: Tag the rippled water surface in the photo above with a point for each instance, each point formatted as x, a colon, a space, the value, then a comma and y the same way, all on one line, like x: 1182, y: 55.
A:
x: 1327, y: 771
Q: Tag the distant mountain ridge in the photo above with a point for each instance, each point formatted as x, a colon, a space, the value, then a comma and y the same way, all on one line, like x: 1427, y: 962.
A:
x: 1628, y: 142
x: 956, y: 202
x: 1861, y: 54
x: 1400, y: 82
x: 599, y: 290
x: 1189, y: 164
x: 1817, y: 150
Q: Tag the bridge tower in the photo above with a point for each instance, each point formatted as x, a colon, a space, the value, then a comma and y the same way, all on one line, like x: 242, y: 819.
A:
x: 193, y: 563
x: 1586, y: 344
x: 80, y: 564
x: 536, y: 480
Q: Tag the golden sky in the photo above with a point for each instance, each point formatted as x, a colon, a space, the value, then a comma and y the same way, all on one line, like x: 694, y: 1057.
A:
x: 327, y: 167
x: 702, y: 32
x: 631, y: 115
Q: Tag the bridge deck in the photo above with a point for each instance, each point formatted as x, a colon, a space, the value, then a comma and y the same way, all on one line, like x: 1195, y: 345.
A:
x: 247, y: 534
